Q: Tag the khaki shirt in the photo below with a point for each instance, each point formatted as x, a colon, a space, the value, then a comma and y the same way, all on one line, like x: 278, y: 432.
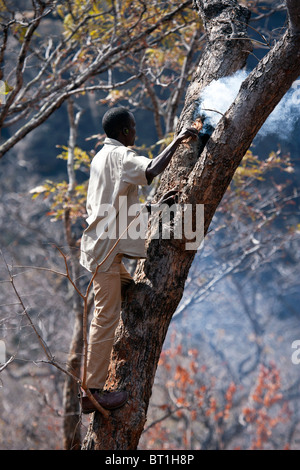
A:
x: 112, y: 202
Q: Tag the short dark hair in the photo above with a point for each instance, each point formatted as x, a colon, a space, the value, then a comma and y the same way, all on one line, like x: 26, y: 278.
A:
x: 114, y: 120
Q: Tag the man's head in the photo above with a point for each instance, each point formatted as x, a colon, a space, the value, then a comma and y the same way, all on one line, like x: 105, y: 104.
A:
x: 119, y: 123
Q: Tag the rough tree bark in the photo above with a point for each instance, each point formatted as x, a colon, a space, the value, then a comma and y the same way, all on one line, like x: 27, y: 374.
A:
x: 205, y: 174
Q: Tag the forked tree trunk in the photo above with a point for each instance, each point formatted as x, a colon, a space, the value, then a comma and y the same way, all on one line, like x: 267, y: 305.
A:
x: 159, y: 280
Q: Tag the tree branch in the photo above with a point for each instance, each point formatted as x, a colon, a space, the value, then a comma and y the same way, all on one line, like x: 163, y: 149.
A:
x: 73, y: 123
x: 293, y: 7
x: 21, y: 61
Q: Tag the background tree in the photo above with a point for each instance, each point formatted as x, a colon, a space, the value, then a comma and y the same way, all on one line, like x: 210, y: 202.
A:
x: 213, y: 411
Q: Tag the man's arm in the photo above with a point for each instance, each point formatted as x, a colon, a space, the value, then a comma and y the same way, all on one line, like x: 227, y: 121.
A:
x: 161, y: 162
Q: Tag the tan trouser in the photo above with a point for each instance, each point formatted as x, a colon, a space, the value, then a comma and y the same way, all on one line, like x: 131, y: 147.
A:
x: 108, y: 286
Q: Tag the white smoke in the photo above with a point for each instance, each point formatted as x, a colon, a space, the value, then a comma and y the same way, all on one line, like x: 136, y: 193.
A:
x: 219, y: 95
x: 285, y: 116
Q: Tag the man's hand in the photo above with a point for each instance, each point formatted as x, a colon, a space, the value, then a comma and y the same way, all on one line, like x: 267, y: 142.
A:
x: 158, y: 164
x: 187, y: 134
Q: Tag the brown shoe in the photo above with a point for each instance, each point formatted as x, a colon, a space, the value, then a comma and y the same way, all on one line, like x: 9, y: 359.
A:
x: 108, y: 400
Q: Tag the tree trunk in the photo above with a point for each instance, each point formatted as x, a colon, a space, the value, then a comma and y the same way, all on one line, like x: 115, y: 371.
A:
x: 71, y: 429
x: 205, y: 174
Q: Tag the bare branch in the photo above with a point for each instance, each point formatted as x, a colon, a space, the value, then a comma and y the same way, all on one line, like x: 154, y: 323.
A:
x: 21, y: 62
x: 3, y: 366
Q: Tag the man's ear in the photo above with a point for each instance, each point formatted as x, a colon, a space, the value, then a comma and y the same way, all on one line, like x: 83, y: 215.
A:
x: 125, y: 131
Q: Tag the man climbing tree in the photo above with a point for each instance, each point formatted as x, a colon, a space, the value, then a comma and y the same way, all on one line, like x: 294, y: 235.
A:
x: 115, y: 173
x: 205, y: 174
